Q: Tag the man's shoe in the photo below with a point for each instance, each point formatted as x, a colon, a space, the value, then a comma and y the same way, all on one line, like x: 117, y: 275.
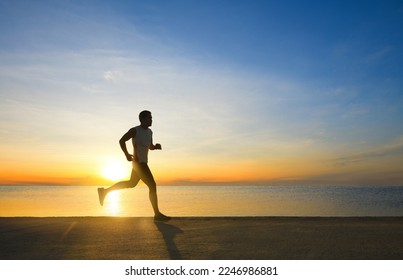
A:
x: 101, y: 195
x: 161, y: 218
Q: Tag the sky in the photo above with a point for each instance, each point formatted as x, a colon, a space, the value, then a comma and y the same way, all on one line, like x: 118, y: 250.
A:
x: 241, y: 92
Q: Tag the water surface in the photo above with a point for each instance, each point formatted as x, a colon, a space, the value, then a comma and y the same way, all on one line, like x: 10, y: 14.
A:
x: 40, y: 201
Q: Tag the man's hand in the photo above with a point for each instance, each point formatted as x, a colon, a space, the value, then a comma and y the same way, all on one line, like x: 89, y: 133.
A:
x: 129, y: 157
x: 157, y: 147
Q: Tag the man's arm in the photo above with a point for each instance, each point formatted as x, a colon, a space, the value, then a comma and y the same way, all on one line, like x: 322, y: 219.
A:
x: 156, y: 146
x: 122, y: 142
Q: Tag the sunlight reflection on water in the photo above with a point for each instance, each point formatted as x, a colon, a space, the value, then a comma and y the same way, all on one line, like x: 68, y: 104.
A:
x: 113, y: 207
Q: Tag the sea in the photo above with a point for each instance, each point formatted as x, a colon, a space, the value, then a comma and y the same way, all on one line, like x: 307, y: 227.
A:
x: 204, y: 201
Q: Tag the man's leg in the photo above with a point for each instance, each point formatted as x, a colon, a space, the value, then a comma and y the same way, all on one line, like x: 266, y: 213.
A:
x: 134, y: 179
x: 148, y: 179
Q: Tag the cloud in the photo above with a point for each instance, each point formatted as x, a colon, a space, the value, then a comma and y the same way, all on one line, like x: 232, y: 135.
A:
x: 112, y: 76
x: 378, y: 55
x: 394, y: 148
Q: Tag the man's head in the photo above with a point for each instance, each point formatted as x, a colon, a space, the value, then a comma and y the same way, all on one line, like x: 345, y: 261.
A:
x: 145, y: 118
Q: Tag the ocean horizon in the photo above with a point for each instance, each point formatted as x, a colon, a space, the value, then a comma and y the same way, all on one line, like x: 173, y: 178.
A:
x: 211, y: 201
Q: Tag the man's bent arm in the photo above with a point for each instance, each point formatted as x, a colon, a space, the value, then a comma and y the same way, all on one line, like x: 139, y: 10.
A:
x: 122, y: 142
x: 154, y: 147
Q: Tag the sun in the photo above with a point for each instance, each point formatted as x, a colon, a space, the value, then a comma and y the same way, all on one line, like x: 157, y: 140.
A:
x: 114, y: 170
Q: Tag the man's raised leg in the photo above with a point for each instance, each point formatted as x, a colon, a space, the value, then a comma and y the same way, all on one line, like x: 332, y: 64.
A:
x: 134, y: 179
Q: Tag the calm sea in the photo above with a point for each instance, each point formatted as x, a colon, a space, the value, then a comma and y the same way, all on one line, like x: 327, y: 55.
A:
x: 203, y: 201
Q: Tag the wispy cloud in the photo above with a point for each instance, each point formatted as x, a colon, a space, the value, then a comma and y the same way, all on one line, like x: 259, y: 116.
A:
x: 378, y: 55
x: 394, y: 148
x: 112, y: 76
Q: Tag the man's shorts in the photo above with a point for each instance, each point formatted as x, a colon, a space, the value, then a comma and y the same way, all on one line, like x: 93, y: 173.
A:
x: 141, y: 171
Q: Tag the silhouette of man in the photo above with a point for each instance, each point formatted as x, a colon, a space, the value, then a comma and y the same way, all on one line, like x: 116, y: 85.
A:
x: 142, y: 138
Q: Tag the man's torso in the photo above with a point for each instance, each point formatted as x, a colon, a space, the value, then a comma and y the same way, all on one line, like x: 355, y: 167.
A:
x: 141, y: 143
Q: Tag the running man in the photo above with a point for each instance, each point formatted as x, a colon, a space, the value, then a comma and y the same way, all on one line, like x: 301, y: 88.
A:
x: 142, y: 138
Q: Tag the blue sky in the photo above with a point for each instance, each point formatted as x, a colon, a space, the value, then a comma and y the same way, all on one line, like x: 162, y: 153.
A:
x: 294, y: 92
